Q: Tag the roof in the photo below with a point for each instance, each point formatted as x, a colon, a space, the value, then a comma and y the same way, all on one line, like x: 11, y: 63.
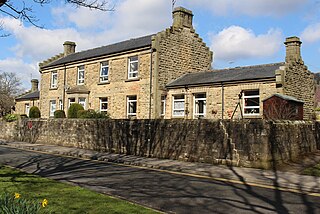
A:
x: 284, y: 97
x: 228, y: 75
x: 29, y: 96
x: 127, y: 45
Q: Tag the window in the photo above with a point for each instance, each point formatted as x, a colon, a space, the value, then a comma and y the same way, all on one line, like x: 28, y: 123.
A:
x: 104, y: 72
x: 82, y: 101
x: 53, y: 107
x: 178, y: 106
x: 104, y: 104
x: 199, y: 105
x: 131, y: 106
x: 26, y: 109
x: 163, y: 105
x: 71, y: 100
x: 60, y: 105
x: 54, y: 79
x: 80, y: 76
x: 251, y: 102
x: 133, y: 67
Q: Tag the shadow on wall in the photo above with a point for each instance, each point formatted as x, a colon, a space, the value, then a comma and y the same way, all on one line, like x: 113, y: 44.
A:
x: 252, y: 143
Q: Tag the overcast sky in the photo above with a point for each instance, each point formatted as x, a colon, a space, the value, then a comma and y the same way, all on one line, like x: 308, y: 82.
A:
x: 239, y: 32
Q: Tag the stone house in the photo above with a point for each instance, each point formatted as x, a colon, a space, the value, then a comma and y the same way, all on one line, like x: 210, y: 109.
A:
x: 168, y: 75
x: 126, y: 79
x: 24, y: 102
x: 238, y: 92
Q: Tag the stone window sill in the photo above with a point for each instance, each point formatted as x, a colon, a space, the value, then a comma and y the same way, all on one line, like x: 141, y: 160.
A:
x: 104, y: 83
x: 55, y: 88
x: 133, y: 79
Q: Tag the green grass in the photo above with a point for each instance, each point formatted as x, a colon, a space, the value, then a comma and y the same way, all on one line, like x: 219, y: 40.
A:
x: 313, y: 171
x: 63, y: 198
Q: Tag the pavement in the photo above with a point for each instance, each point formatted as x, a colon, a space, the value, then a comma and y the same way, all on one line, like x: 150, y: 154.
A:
x: 286, y: 181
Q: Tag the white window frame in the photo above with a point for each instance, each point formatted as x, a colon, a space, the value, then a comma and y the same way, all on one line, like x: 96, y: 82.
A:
x: 176, y: 99
x: 104, y: 65
x: 132, y: 99
x: 163, y: 105
x: 80, y: 78
x: 27, y: 109
x: 71, y: 102
x: 196, y: 99
x: 104, y: 100
x: 52, y: 107
x: 82, y: 101
x: 54, y: 79
x: 132, y: 74
x: 244, y: 97
x: 60, y: 105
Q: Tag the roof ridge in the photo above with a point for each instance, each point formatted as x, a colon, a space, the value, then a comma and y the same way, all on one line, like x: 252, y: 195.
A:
x: 250, y: 66
x: 116, y: 43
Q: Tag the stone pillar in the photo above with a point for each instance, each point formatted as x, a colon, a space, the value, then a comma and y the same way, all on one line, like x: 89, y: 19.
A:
x: 293, y: 53
x: 69, y: 48
x: 34, y: 85
x: 182, y: 17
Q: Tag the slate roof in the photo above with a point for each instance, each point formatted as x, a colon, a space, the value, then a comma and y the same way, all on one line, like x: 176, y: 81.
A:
x: 285, y: 97
x: 29, y: 96
x: 227, y: 75
x: 127, y: 45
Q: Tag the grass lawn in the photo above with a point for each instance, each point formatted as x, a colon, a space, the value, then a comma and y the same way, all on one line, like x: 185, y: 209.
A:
x: 314, y: 170
x: 62, y: 198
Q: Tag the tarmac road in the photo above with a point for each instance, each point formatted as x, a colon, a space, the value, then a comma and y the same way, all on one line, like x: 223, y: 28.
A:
x: 168, y: 192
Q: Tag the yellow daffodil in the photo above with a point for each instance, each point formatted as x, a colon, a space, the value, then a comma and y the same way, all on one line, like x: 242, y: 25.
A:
x: 44, y: 203
x: 16, y: 195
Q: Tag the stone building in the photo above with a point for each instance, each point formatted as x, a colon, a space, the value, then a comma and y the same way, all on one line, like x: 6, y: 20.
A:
x: 168, y: 75
x: 125, y: 79
x: 238, y: 92
x: 24, y: 102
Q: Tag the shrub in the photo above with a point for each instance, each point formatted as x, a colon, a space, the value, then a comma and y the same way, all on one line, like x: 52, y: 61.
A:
x: 59, y: 114
x: 73, y: 110
x: 11, y: 117
x: 317, y: 109
x: 92, y: 114
x: 34, y: 112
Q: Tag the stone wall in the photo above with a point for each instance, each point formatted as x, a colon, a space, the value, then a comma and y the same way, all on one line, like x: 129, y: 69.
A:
x: 180, y: 50
x: 255, y: 143
x: 299, y: 83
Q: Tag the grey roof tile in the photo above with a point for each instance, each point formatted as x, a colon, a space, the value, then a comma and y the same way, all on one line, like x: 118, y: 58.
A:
x: 227, y: 75
x: 29, y: 96
x: 127, y: 45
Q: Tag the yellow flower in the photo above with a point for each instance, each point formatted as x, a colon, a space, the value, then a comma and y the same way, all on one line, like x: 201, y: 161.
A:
x: 16, y: 195
x: 44, y: 203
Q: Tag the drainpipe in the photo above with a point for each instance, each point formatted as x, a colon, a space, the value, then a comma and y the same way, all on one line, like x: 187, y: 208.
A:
x: 64, y: 86
x: 222, y: 97
x: 150, y: 94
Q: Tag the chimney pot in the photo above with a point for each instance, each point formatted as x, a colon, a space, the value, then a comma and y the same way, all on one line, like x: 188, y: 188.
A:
x: 182, y: 17
x: 69, y: 48
x: 34, y: 85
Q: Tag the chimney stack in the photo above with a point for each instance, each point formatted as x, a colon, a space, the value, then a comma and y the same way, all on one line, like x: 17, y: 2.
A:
x: 34, y: 85
x: 69, y: 48
x: 293, y: 53
x: 182, y: 17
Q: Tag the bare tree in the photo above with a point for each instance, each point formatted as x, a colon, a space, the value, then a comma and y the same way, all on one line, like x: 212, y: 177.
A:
x: 10, y: 86
x: 23, y: 9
